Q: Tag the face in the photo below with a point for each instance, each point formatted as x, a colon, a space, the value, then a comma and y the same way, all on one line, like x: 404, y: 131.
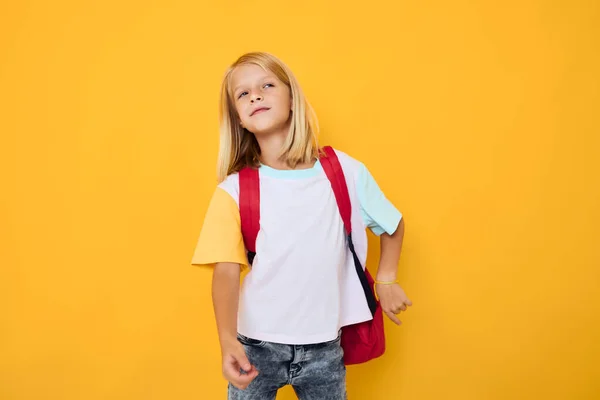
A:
x: 262, y: 101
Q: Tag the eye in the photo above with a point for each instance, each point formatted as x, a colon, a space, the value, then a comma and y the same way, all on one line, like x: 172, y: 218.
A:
x: 268, y: 84
x: 242, y: 94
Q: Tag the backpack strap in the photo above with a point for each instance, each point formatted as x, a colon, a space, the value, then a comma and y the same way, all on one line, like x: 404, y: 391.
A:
x: 249, y: 203
x: 335, y: 174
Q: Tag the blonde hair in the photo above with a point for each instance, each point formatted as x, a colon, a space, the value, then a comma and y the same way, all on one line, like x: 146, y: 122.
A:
x: 238, y: 147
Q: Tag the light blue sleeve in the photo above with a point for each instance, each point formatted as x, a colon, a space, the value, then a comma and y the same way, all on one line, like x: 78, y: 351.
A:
x: 378, y: 213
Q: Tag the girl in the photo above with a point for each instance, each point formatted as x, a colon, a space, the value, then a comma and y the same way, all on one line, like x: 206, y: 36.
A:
x: 284, y: 326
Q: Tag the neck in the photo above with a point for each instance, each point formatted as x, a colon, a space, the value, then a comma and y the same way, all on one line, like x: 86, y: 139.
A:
x: 271, y: 143
x: 270, y: 149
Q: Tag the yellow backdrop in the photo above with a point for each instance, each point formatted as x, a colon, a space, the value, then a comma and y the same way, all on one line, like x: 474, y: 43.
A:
x: 478, y: 119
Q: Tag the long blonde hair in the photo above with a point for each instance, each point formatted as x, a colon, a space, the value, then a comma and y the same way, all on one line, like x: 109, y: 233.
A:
x: 238, y: 146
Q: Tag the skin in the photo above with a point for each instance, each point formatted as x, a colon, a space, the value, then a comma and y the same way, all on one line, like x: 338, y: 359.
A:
x: 254, y: 88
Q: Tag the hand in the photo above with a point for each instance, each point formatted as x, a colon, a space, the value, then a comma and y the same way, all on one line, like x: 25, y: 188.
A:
x: 235, y: 360
x: 393, y: 300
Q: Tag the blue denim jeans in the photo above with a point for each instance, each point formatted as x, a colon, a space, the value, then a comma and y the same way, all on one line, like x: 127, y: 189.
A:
x: 315, y: 371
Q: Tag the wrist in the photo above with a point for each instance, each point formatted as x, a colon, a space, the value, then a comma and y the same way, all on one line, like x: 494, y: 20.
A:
x: 379, y: 284
x: 386, y: 277
x: 387, y: 272
x: 228, y: 340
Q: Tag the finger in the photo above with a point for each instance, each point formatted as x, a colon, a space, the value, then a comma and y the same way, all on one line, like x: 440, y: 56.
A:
x: 242, y: 360
x: 239, y: 385
x: 393, y: 317
x: 408, y: 302
x: 243, y: 381
x: 396, y: 309
x: 232, y: 369
x: 252, y: 372
x: 402, y: 307
x: 231, y: 372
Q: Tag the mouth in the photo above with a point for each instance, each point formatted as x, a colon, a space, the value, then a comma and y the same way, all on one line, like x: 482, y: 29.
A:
x: 260, y: 110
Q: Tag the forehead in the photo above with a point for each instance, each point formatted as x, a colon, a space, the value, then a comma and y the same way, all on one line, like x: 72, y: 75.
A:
x: 247, y: 74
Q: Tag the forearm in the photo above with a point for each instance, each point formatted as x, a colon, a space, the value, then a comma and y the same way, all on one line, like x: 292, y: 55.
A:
x: 225, y: 295
x: 391, y: 247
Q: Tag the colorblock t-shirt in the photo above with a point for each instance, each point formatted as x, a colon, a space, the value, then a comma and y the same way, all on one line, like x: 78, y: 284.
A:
x: 302, y: 287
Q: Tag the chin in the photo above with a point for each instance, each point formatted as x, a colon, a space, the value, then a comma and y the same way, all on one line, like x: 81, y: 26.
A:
x: 266, y: 128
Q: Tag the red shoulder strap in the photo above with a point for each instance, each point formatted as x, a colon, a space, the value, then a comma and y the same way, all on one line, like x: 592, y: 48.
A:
x: 335, y: 174
x: 333, y: 170
x: 249, y: 202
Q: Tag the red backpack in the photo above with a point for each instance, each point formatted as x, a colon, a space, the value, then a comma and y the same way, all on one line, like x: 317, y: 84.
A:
x: 363, y: 341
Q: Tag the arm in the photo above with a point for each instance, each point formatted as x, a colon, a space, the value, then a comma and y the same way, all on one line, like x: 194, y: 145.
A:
x: 392, y: 297
x: 391, y: 246
x: 221, y: 247
x: 225, y: 294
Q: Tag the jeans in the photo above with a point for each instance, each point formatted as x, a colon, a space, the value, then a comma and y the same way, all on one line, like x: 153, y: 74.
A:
x: 315, y: 371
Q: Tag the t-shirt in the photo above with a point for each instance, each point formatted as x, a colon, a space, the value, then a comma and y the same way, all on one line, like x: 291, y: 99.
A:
x: 303, y: 286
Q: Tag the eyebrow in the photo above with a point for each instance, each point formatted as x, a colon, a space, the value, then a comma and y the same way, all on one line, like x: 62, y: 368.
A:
x: 266, y: 77
x: 237, y: 88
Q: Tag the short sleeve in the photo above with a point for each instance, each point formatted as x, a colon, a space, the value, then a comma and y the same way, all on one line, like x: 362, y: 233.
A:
x: 378, y: 213
x: 221, y: 236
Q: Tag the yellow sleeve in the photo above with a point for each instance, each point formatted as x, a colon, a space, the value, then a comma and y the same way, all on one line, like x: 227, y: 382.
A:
x: 221, y: 235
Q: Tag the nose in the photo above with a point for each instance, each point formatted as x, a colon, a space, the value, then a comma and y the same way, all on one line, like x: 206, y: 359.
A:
x: 256, y: 97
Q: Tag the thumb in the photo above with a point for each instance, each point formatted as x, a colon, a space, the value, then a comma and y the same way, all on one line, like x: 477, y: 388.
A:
x: 242, y: 360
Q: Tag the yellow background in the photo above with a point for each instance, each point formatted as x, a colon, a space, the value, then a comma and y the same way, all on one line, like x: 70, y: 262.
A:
x: 478, y: 119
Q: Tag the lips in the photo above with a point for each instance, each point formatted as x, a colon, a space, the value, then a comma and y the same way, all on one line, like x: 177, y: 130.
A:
x: 259, y: 110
